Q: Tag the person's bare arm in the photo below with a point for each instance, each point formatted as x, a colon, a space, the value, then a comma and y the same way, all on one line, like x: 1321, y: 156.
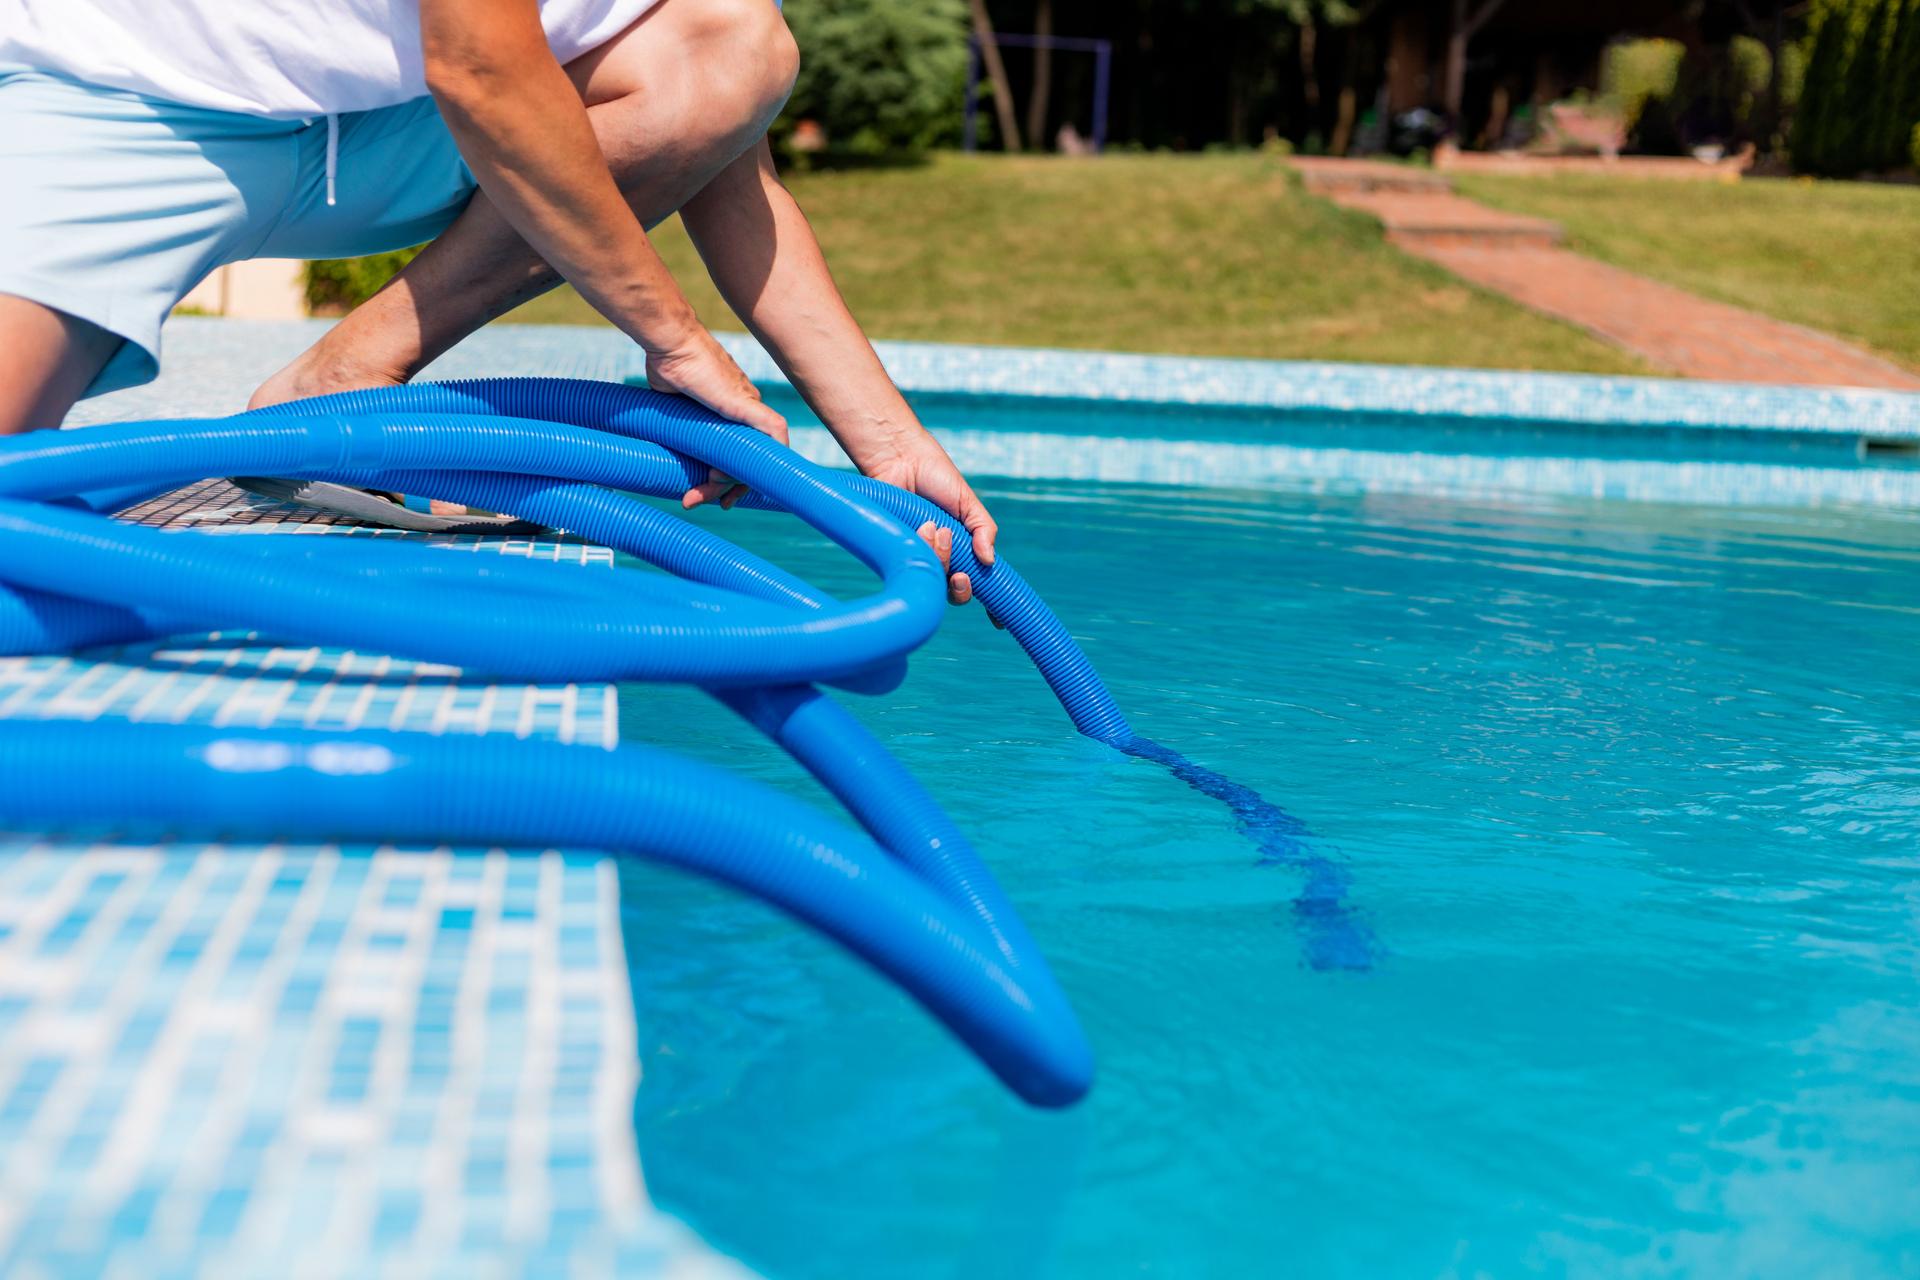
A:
x: 765, y: 260
x: 523, y: 130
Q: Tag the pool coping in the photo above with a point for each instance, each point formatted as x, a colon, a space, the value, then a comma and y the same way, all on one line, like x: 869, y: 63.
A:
x: 1326, y: 390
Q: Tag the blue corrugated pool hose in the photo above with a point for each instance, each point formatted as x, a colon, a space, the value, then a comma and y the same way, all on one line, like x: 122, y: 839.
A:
x: 909, y: 895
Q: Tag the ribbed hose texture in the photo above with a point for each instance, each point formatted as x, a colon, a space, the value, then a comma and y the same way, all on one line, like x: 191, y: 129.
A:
x: 919, y: 905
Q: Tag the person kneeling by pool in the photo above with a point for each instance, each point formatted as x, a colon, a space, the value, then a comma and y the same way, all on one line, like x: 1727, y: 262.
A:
x: 144, y: 145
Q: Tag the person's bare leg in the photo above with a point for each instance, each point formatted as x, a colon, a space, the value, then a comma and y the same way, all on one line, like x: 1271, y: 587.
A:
x: 673, y: 99
x: 47, y: 358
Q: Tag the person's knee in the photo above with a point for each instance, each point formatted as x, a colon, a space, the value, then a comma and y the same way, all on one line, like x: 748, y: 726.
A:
x: 753, y: 60
x: 781, y: 69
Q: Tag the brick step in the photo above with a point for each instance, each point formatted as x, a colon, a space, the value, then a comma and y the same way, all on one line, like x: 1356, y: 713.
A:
x: 1546, y: 237
x: 1327, y: 176
x: 1444, y: 218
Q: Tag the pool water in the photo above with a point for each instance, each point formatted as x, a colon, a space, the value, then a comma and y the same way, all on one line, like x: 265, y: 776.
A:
x: 1627, y: 798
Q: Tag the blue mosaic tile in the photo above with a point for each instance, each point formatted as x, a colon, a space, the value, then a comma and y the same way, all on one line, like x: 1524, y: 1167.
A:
x: 406, y: 1122
x: 239, y: 1060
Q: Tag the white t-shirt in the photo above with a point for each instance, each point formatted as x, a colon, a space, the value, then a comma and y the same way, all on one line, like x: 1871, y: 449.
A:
x: 280, y: 58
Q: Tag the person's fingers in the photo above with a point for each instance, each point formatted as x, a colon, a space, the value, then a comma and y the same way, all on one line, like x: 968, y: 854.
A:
x: 754, y: 412
x: 718, y: 485
x: 748, y: 409
x: 940, y: 539
x: 718, y: 383
x: 981, y: 528
x: 732, y: 496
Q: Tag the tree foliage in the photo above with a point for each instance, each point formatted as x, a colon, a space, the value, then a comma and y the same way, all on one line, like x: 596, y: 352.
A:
x: 879, y: 75
x: 336, y: 285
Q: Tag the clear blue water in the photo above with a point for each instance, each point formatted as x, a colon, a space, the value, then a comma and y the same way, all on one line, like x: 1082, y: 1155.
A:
x: 1629, y: 797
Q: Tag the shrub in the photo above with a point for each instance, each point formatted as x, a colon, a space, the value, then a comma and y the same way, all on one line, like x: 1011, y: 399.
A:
x: 1667, y: 101
x: 879, y: 75
x: 1861, y: 96
x: 335, y: 285
x: 1793, y: 73
x: 1861, y: 99
x: 1902, y: 106
x: 1636, y: 71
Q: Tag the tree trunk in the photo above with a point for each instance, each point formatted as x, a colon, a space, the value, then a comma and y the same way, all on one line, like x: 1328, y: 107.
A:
x: 1348, y: 108
x: 1038, y: 100
x: 1454, y: 88
x: 1309, y: 71
x: 1343, y: 123
x: 1776, y: 44
x: 996, y: 76
x: 1464, y: 25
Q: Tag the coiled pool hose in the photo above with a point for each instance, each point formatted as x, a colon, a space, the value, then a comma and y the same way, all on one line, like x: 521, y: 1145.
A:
x: 913, y: 899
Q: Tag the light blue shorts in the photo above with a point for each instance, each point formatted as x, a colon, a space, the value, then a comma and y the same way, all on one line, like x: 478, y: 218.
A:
x: 113, y: 205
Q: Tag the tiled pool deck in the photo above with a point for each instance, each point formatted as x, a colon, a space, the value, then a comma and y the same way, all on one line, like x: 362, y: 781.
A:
x: 296, y: 1060
x: 316, y: 1061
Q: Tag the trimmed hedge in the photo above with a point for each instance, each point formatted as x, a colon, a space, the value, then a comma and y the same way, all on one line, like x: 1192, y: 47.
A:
x: 1860, y: 104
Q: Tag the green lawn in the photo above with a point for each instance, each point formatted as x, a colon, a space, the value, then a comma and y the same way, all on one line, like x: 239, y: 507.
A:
x: 1839, y: 256
x: 1204, y: 255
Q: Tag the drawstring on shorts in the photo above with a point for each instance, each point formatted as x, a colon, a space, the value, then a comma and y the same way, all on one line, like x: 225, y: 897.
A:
x: 333, y: 153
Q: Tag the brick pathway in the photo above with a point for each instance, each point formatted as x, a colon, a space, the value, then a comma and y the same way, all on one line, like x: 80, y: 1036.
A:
x: 1521, y: 258
x: 1665, y: 326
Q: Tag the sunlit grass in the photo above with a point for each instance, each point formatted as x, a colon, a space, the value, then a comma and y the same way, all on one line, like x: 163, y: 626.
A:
x: 1203, y: 255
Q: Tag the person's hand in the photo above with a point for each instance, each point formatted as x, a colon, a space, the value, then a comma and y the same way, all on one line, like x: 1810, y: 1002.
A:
x: 700, y: 368
x: 926, y: 469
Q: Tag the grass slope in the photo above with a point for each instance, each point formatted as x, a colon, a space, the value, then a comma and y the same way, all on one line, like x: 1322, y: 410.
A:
x: 1201, y: 255
x: 1843, y: 257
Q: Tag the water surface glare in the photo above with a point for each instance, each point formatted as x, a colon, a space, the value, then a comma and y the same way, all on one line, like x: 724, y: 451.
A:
x: 1624, y: 799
